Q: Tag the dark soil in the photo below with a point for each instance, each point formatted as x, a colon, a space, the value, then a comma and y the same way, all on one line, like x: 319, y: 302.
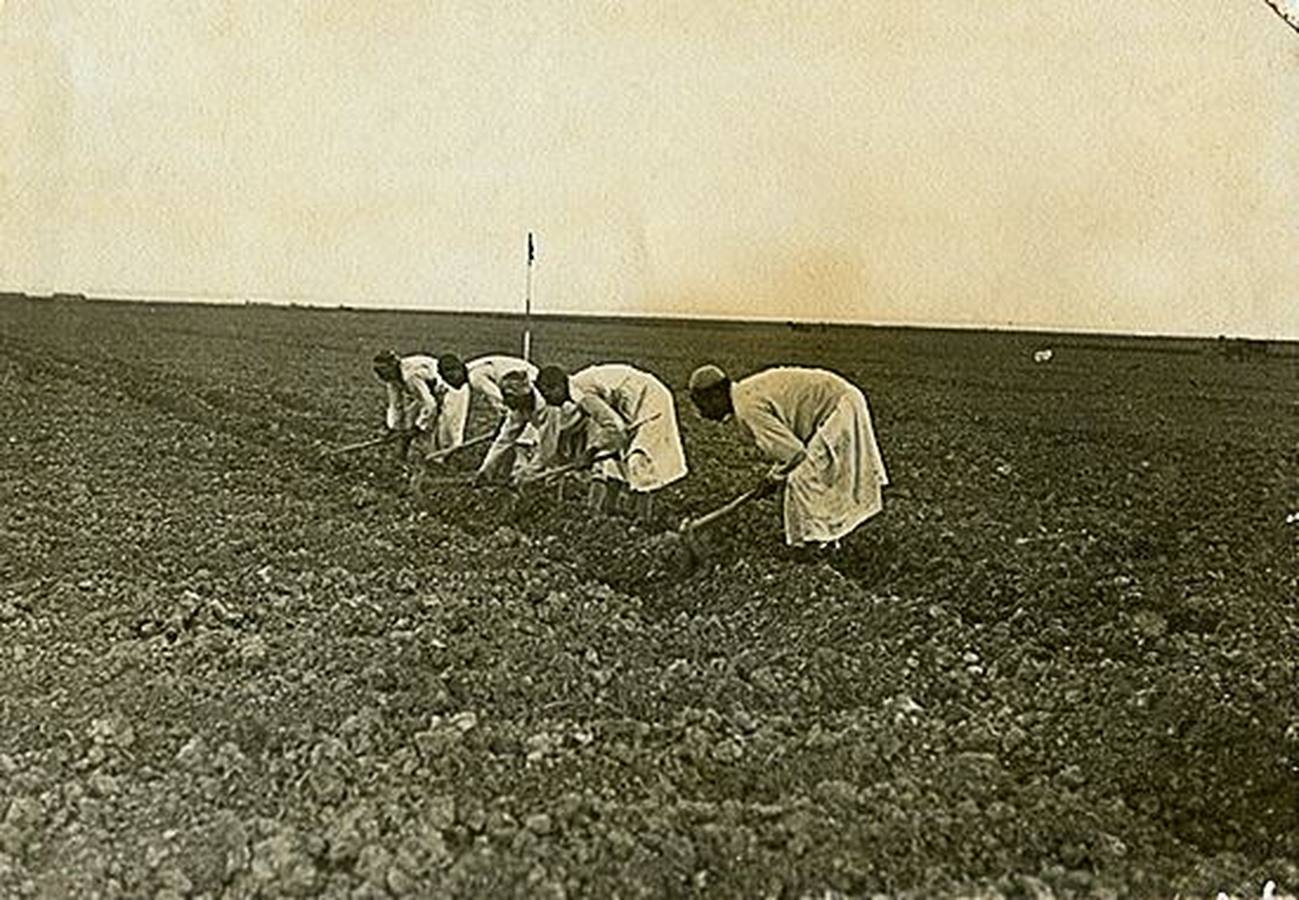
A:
x: 1061, y: 663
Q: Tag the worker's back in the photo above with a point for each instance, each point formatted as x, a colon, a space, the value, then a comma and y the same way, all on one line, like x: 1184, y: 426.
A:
x: 800, y: 398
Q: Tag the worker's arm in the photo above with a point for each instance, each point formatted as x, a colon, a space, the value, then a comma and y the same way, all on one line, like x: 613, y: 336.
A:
x: 428, y: 404
x: 487, y: 388
x: 392, y: 416
x: 610, y: 429
x: 506, y: 438
x: 775, y: 439
x: 550, y: 426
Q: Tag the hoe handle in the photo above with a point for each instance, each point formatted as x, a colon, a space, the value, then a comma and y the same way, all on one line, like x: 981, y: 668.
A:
x: 636, y: 426
x: 599, y: 457
x: 472, y: 442
x: 372, y: 442
x: 572, y: 467
x: 707, y: 518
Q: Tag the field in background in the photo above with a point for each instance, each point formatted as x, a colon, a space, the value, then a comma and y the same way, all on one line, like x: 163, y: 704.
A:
x: 1063, y: 658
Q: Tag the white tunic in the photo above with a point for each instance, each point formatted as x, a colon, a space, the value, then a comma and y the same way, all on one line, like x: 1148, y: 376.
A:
x: 615, y: 396
x: 550, y: 425
x: 789, y: 412
x: 485, y: 375
x: 486, y: 372
x: 420, y: 400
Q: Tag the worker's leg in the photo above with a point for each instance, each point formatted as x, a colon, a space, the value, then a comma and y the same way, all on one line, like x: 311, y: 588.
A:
x: 401, y: 447
x: 602, y: 496
x: 424, y: 445
x: 625, y: 502
x: 502, y: 466
x: 407, y: 424
x: 597, y: 495
x: 643, y: 506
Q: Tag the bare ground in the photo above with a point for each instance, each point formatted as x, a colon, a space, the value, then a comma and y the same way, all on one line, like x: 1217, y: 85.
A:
x: 1061, y: 663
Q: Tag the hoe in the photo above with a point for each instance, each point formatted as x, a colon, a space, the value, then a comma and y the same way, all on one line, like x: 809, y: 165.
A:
x: 558, y: 471
x: 424, y: 483
x: 407, y: 434
x: 681, y: 549
x: 472, y: 442
x: 371, y: 442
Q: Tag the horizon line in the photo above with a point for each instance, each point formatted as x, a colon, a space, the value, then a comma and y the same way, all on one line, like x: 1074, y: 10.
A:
x: 354, y: 306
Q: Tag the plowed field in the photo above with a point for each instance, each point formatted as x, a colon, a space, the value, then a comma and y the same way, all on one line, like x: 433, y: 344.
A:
x: 1061, y: 662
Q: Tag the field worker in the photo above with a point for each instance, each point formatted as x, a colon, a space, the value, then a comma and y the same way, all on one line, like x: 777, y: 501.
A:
x: 817, y: 427
x: 556, y: 432
x: 630, y: 412
x: 423, y: 395
x: 486, y: 372
x: 485, y: 376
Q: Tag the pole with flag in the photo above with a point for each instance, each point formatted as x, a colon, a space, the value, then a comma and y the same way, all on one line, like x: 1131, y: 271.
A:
x: 527, y: 304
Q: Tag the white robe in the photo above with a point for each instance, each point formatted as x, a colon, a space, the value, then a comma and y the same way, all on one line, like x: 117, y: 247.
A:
x: 485, y: 374
x: 838, y: 484
x: 614, y: 396
x: 421, y: 402
x: 555, y: 430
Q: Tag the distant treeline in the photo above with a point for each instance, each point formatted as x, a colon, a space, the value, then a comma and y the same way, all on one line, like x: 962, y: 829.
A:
x: 1244, y: 348
x: 59, y: 297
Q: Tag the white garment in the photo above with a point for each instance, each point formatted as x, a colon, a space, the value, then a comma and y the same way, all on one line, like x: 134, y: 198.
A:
x: 421, y: 402
x: 615, y: 396
x: 485, y: 374
x: 554, y: 429
x: 793, y: 412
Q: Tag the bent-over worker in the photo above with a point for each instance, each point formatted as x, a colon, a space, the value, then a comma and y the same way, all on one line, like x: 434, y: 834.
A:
x: 630, y: 414
x: 556, y: 432
x: 486, y: 372
x: 485, y: 376
x: 423, y: 395
x: 817, y: 427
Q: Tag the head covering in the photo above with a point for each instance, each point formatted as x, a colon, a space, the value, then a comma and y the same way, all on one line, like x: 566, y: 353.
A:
x: 705, y: 377
x: 514, y: 384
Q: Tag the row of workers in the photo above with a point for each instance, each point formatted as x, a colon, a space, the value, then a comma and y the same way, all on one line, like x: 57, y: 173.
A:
x: 621, y: 422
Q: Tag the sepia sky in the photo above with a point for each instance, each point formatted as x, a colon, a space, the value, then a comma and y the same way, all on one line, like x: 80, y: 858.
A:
x: 1082, y: 164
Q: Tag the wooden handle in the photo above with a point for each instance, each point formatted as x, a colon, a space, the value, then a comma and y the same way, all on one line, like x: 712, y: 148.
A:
x: 472, y: 442
x: 570, y: 467
x: 599, y: 457
x: 636, y: 426
x: 721, y: 510
x: 372, y: 442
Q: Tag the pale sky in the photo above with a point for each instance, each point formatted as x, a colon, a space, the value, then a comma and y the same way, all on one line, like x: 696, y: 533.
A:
x: 1116, y: 165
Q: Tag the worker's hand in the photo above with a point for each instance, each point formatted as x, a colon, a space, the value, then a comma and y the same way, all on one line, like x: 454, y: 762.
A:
x: 771, y: 482
x: 776, y: 475
x: 586, y: 458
